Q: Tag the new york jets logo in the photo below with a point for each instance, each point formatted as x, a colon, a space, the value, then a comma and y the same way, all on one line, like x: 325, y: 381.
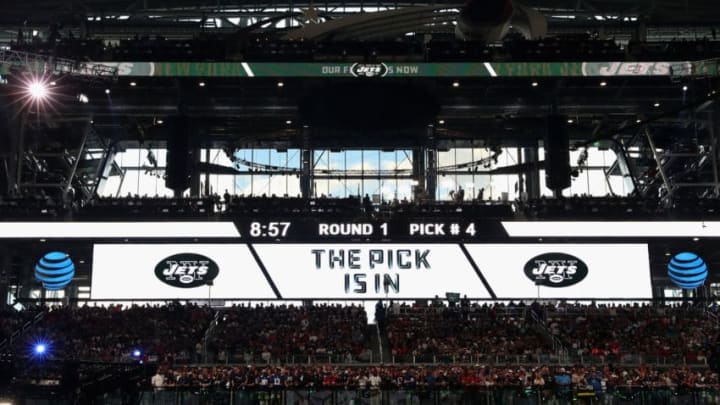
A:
x: 556, y: 270
x: 186, y: 270
x: 369, y: 69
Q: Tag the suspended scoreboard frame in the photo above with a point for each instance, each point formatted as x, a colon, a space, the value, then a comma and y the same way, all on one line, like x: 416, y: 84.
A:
x: 703, y: 68
x: 401, y: 259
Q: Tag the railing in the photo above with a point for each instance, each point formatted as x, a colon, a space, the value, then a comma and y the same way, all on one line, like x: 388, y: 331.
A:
x: 492, y: 395
x: 5, y: 343
x: 475, y: 395
x: 208, y: 336
x: 563, y: 359
x: 558, y: 347
x: 380, y: 344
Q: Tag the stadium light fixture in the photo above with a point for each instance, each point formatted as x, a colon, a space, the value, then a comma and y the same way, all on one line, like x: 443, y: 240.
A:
x: 570, y: 121
x: 280, y: 84
x: 37, y: 90
x: 53, y: 83
x: 288, y: 122
x: 107, y: 91
x: 695, y: 239
x: 40, y: 349
x: 83, y: 98
x: 136, y: 353
x: 133, y: 84
x: 456, y: 84
x: 534, y: 84
x: 685, y: 88
x: 201, y: 84
x: 656, y: 105
x: 441, y: 122
x: 159, y: 122
x: 603, y: 83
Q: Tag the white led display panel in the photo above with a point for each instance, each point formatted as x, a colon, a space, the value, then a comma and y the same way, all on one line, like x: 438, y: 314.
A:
x: 565, y: 270
x: 370, y: 270
x: 176, y: 271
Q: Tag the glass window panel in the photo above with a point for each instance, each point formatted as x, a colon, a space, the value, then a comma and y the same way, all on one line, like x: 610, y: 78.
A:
x: 336, y: 161
x: 285, y: 185
x: 130, y: 184
x: 445, y: 184
x: 372, y: 188
x: 242, y: 185
x: 261, y: 185
x: 354, y: 160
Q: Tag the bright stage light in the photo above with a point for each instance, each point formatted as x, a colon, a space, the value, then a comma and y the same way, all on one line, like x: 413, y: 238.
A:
x: 37, y: 90
x: 136, y: 353
x: 40, y: 349
x: 83, y: 98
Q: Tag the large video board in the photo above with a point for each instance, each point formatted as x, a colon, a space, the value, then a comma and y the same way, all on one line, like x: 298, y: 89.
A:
x: 360, y: 270
x: 308, y: 258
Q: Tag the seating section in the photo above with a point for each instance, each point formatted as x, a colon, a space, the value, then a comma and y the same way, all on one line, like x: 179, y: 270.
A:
x: 611, y: 333
x: 465, y: 346
x: 467, y: 334
x: 147, y: 207
x: 619, y: 208
x: 557, y: 380
x: 291, y: 334
x: 165, y: 334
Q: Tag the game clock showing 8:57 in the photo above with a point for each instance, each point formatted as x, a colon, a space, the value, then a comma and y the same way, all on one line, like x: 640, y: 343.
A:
x: 269, y: 229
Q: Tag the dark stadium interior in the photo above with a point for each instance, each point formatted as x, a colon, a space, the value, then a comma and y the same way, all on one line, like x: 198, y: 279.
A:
x: 453, y: 202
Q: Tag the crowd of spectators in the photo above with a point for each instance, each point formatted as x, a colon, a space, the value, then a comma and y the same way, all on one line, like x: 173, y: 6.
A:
x: 164, y: 334
x: 613, y: 207
x: 597, y: 379
x: 605, y: 333
x: 147, y: 207
x: 588, y: 334
x: 354, y: 207
x: 12, y: 320
x: 419, y: 333
x: 276, y: 205
x: 31, y: 206
x: 608, y: 207
x: 288, y: 333
x: 461, y: 334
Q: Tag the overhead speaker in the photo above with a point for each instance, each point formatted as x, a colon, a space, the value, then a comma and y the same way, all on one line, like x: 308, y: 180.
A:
x: 178, y: 168
x: 557, y: 153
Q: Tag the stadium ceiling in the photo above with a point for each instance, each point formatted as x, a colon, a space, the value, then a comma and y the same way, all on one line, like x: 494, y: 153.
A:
x: 479, y: 111
x: 31, y: 12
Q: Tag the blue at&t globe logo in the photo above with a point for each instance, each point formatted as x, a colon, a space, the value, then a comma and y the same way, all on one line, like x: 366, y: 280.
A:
x: 55, y: 270
x: 687, y: 270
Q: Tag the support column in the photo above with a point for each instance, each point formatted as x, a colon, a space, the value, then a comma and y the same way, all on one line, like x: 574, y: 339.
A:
x: 714, y: 129
x: 11, y: 120
x: 431, y: 167
x: 532, y: 173
x: 196, y: 175
x: 4, y: 276
x: 419, y: 173
x: 307, y: 166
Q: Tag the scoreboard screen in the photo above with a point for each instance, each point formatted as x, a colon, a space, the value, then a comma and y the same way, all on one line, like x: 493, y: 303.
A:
x: 327, y: 260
